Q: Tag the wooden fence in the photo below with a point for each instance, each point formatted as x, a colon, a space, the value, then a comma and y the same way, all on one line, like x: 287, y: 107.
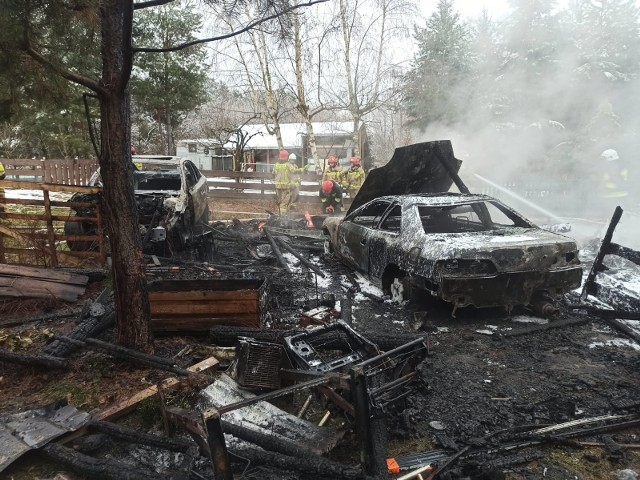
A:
x: 32, y: 218
x: 62, y: 172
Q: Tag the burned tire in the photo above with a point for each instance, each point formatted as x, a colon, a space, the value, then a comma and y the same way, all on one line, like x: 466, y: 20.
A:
x: 327, y: 247
x: 397, y: 284
x: 400, y: 290
x: 79, y: 229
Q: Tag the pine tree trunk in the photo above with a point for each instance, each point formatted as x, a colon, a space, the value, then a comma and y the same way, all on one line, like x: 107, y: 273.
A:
x: 119, y: 204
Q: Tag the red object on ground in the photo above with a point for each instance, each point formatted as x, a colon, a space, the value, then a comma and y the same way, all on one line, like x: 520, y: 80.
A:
x: 308, y: 217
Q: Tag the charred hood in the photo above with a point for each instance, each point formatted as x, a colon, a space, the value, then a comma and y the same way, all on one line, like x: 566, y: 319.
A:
x: 414, y: 169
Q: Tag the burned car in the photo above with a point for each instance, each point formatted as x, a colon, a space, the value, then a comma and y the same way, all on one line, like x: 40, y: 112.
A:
x: 465, y: 249
x: 171, y: 196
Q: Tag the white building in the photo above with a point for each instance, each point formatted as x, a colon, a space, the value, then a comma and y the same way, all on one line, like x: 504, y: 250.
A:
x: 261, y: 150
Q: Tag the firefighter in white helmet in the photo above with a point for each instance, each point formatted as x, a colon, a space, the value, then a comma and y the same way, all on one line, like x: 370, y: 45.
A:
x: 615, y: 176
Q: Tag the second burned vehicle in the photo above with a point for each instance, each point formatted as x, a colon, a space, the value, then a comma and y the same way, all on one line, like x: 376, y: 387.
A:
x: 171, y: 195
x: 465, y: 249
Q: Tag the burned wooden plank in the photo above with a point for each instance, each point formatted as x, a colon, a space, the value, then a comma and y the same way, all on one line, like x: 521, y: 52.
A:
x: 44, y: 274
x: 123, y: 407
x: 589, y: 288
x: 276, y: 250
x: 571, y: 322
x: 624, y: 252
x: 32, y: 287
x: 303, y: 260
x: 103, y: 467
x: 128, y: 354
x: 40, y: 360
x: 315, y: 466
x: 42, y: 318
x: 97, y: 318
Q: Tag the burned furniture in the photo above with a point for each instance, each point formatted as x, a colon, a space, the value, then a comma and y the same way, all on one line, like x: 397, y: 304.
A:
x: 607, y: 247
x: 197, y: 305
x: 328, y: 348
x: 171, y: 196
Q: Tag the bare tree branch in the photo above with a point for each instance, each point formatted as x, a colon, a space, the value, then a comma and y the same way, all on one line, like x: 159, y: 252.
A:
x: 231, y: 34
x: 63, y: 72
x: 150, y: 3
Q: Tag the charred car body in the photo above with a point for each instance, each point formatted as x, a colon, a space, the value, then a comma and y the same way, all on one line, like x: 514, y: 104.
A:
x: 171, y: 196
x: 465, y: 249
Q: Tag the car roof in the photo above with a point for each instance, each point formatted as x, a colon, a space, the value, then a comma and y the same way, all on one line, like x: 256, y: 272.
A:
x: 157, y: 159
x: 436, y: 199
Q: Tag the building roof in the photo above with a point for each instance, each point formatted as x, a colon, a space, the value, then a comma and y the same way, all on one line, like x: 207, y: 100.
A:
x: 292, y: 133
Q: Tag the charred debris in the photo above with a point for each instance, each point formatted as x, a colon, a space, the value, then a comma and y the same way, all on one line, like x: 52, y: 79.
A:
x: 304, y: 370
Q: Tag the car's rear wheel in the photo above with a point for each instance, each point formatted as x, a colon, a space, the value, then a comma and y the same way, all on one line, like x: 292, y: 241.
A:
x: 400, y: 289
x: 396, y: 283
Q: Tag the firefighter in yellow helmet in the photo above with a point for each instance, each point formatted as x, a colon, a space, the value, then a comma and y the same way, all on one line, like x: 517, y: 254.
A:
x: 283, y: 180
x: 354, y: 177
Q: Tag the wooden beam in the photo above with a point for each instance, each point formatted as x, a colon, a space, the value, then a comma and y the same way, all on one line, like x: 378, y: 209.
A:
x: 44, y: 274
x: 122, y: 408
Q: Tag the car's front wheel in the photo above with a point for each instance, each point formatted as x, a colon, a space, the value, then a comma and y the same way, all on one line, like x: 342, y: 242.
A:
x: 327, y: 247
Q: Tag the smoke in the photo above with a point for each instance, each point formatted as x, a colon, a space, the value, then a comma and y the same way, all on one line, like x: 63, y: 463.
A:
x: 536, y: 112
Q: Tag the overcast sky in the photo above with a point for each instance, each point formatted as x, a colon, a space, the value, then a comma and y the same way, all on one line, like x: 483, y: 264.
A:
x: 469, y: 8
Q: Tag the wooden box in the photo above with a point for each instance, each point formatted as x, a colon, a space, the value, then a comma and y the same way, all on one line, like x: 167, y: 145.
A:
x: 194, y: 306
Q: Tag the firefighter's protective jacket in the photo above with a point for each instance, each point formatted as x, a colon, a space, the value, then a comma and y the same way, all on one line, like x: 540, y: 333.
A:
x: 333, y: 173
x: 614, y: 182
x: 332, y: 198
x: 354, y: 178
x: 283, y: 174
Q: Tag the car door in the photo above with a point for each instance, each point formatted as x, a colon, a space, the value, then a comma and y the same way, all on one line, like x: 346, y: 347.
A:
x: 355, y: 233
x: 197, y: 188
x: 384, y: 242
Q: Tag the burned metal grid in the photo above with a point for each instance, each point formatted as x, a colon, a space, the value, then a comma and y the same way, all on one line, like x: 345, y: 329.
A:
x: 259, y: 364
x: 289, y: 291
x: 392, y: 375
x: 329, y: 348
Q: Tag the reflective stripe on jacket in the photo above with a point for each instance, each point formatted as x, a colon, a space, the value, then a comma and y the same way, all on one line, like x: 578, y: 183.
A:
x: 282, y: 173
x: 334, y: 174
x: 354, y: 177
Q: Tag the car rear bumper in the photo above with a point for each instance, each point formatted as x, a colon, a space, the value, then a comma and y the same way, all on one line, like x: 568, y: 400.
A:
x: 507, y: 289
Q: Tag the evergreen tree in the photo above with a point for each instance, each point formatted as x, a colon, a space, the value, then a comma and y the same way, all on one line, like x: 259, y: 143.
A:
x: 166, y: 86
x: 439, y: 67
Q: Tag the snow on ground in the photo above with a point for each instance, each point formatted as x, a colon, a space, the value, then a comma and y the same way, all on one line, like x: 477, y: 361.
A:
x: 18, y: 193
x: 616, y: 342
x: 528, y: 319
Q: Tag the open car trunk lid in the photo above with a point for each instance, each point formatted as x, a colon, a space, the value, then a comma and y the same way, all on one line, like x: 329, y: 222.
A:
x: 414, y: 169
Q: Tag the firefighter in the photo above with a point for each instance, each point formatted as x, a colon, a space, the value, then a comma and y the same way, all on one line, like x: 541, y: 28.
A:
x: 333, y: 171
x: 614, y: 186
x: 282, y: 177
x: 331, y: 197
x: 354, y: 177
x: 296, y: 180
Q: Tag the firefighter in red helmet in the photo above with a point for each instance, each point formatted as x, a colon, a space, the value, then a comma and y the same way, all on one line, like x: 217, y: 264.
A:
x: 354, y: 177
x: 333, y: 170
x: 331, y: 197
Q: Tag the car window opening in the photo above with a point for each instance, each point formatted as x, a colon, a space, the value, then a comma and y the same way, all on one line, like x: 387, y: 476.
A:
x: 465, y: 218
x: 393, y: 220
x: 370, y: 215
x: 164, y: 183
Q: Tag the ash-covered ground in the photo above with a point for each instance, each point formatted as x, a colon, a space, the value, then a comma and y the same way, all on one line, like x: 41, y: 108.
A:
x: 488, y: 373
x: 490, y: 382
